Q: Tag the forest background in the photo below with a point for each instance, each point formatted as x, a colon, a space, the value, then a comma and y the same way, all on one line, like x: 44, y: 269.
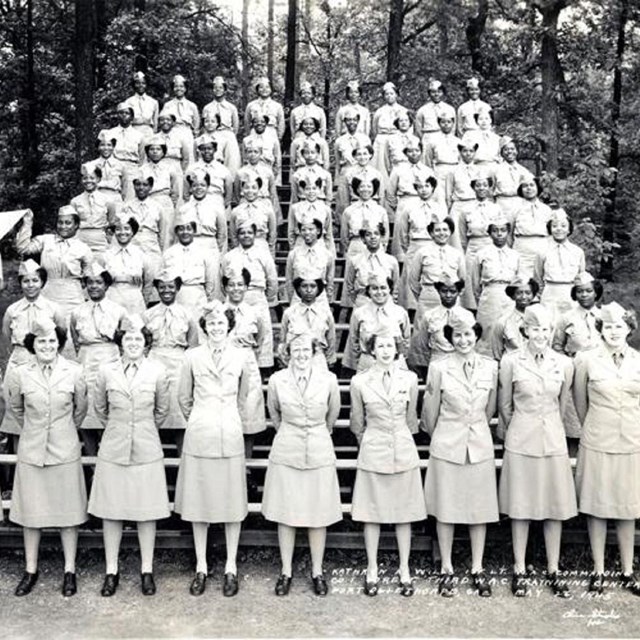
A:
x: 562, y: 76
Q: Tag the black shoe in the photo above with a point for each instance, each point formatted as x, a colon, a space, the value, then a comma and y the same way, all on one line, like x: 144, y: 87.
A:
x: 519, y: 585
x: 371, y: 588
x: 445, y: 585
x: 320, y: 587
x: 631, y: 584
x: 481, y: 583
x: 407, y: 589
x: 283, y: 585
x: 26, y: 584
x: 230, y: 585
x: 110, y: 584
x: 147, y: 584
x: 69, y: 586
x: 198, y: 584
x: 559, y: 586
x: 596, y: 583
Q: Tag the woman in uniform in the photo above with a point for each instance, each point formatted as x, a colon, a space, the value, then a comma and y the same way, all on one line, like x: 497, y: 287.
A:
x: 220, y: 395
x: 605, y: 392
x: 265, y: 105
x: 114, y: 181
x: 307, y: 109
x: 166, y: 188
x: 352, y: 93
x: 48, y: 398
x: 131, y: 401
x: 145, y: 108
x: 508, y: 176
x: 460, y: 487
x: 301, y: 485
x: 65, y: 258
x: 559, y: 265
x: 387, y: 488
x: 536, y: 482
x: 186, y: 112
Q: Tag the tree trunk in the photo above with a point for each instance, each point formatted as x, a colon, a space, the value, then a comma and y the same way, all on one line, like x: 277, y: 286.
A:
x: 270, y: 42
x: 304, y: 52
x: 552, y: 79
x: 30, y: 113
x: 141, y: 62
x: 610, y: 179
x: 290, y: 70
x: 84, y: 68
x: 245, y: 53
x: 394, y: 39
x: 474, y: 31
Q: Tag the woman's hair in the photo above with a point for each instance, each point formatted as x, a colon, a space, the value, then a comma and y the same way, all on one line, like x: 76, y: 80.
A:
x: 316, y: 123
x: 370, y: 344
x: 356, y: 182
x: 380, y: 227
x: 231, y: 319
x: 75, y: 216
x: 105, y: 275
x: 489, y: 112
x: 177, y: 280
x: 148, y: 337
x: 432, y: 180
x: 246, y: 277
x: 389, y: 283
x: 368, y: 147
x: 397, y: 120
x: 489, y: 180
x: 257, y: 180
x: 96, y: 171
x: 629, y: 317
x: 448, y: 331
x: 191, y: 179
x: 314, y: 347
x: 597, y: 288
x: 533, y: 285
x: 162, y: 146
x: 253, y: 226
x: 298, y: 281
x: 459, y: 285
x: 418, y: 144
x: 61, y: 334
x: 316, y: 223
x: 493, y: 225
x: 132, y: 222
x: 42, y: 274
x: 550, y: 222
x: 538, y: 186
x: 448, y: 221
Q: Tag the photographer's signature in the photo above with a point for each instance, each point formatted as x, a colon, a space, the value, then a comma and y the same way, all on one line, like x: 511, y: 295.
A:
x: 595, y: 617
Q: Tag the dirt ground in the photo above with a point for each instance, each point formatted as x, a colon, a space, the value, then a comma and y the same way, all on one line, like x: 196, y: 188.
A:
x: 257, y: 612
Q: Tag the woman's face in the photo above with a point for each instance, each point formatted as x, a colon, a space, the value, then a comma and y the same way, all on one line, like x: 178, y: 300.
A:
x: 448, y: 295
x: 124, y: 233
x: 529, y: 189
x: 464, y: 340
x: 309, y: 233
x: 140, y: 85
x: 441, y: 233
x: 31, y: 286
x: 259, y: 125
x: 264, y: 90
x: 165, y: 123
x: 353, y: 95
x: 473, y: 93
x: 46, y: 347
x: 310, y: 155
x: 105, y: 148
x: 96, y: 288
x: 133, y: 345
x: 404, y: 123
x: 89, y: 182
x: 424, y: 189
x: 509, y: 152
x: 217, y: 327
x: 523, y: 297
x: 379, y: 293
x: 306, y: 95
x: 207, y: 151
x: 539, y: 336
x: 499, y: 234
x: 155, y: 153
x: 413, y: 153
x: 308, y: 291
x: 311, y: 192
x: 365, y: 191
x: 384, y: 350
x: 210, y: 123
x: 482, y: 188
x: 586, y: 295
x: 372, y: 239
x: 235, y: 290
x: 446, y: 124
x: 253, y: 155
x: 351, y: 123
x: 246, y: 237
x: 301, y: 352
x: 179, y: 88
x: 308, y: 126
x: 142, y: 189
x: 615, y: 333
x: 467, y: 154
x: 362, y: 156
x: 218, y: 90
x: 199, y: 188
x: 66, y: 226
x: 484, y: 121
x: 167, y: 291
x: 390, y: 96
x: 560, y: 230
x: 185, y: 233
x: 125, y: 117
x: 436, y: 95
x: 250, y: 191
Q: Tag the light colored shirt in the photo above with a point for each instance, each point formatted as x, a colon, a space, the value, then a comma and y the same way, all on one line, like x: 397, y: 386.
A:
x: 95, y: 322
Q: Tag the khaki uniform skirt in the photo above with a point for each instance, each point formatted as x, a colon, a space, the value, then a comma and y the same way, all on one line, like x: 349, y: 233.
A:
x: 51, y: 496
